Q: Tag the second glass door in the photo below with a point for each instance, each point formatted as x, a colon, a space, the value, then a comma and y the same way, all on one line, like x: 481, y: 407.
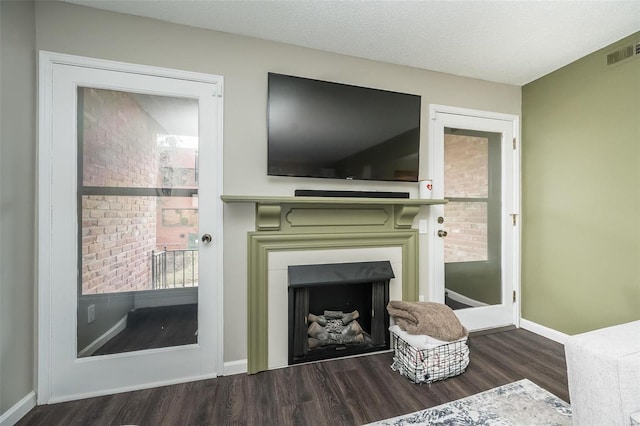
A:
x: 474, y: 244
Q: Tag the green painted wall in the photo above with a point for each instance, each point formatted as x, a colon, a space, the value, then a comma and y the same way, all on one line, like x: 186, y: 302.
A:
x: 581, y: 195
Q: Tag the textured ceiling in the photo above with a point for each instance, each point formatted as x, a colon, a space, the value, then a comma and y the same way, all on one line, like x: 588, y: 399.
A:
x: 512, y: 42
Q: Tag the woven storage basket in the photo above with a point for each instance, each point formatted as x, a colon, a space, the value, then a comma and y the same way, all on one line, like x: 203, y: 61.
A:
x: 429, y: 365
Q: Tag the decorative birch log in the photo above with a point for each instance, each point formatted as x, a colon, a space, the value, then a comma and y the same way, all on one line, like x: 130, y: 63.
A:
x: 334, y: 328
x: 347, y: 318
x: 317, y: 318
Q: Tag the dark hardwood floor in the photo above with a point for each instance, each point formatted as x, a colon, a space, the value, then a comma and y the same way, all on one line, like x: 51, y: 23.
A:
x: 350, y: 391
x: 150, y: 328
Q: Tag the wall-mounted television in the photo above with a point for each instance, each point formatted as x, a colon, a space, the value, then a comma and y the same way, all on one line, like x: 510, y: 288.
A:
x: 323, y: 129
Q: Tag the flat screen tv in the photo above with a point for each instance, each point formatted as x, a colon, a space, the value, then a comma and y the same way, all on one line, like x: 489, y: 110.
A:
x: 322, y: 129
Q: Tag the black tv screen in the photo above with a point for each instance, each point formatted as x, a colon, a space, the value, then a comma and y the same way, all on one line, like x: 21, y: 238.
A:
x: 330, y: 130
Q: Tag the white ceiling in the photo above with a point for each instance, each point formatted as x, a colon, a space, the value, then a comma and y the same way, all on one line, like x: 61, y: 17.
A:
x: 512, y: 42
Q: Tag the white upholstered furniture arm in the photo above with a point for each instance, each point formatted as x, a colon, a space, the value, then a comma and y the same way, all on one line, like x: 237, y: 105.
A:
x: 604, y: 375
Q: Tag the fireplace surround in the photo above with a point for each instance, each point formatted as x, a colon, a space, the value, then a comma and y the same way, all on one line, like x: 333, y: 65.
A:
x: 293, y: 224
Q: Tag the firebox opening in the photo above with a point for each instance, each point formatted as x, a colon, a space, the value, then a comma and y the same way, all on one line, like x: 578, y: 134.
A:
x: 343, y: 298
x: 338, y: 310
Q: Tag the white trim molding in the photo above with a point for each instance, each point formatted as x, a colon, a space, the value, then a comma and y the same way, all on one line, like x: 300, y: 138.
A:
x: 235, y: 367
x: 434, y: 109
x: 19, y: 410
x: 543, y: 331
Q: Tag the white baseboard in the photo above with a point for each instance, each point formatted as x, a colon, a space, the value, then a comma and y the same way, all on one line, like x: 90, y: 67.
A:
x: 464, y: 299
x: 101, y: 340
x: 235, y: 367
x: 19, y: 410
x: 543, y: 331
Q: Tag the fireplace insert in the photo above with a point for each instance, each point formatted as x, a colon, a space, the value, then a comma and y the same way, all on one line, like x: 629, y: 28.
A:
x: 338, y: 310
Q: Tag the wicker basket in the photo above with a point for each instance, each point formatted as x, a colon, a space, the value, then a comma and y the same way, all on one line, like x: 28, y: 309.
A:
x: 429, y: 365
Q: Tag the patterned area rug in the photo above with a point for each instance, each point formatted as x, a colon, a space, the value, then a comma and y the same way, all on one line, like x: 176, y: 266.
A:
x: 515, y: 404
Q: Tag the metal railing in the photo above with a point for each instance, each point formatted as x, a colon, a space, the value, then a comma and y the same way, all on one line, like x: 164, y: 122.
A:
x: 174, y: 268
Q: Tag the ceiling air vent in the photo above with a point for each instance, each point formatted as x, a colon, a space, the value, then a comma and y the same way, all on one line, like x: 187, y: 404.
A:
x: 623, y: 53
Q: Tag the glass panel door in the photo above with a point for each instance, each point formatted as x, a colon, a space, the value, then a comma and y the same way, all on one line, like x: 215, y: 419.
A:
x: 472, y: 218
x: 474, y: 244
x: 130, y: 254
x: 138, y: 221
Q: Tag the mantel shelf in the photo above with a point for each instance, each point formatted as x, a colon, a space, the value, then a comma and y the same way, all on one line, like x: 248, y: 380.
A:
x: 310, y: 213
x: 266, y: 199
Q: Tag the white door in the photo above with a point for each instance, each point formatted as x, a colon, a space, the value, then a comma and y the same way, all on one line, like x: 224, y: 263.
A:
x: 130, y: 170
x: 475, y: 239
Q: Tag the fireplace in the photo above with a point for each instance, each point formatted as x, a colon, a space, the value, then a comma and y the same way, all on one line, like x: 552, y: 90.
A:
x: 337, y: 310
x: 288, y: 228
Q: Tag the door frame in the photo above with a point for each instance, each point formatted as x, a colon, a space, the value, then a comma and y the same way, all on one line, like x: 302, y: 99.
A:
x: 513, y: 207
x: 44, y: 264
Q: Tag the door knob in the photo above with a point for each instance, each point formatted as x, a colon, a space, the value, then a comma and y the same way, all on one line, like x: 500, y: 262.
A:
x: 442, y: 233
x: 207, y: 238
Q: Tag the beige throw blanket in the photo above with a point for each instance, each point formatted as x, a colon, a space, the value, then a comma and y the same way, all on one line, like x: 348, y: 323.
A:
x: 433, y: 319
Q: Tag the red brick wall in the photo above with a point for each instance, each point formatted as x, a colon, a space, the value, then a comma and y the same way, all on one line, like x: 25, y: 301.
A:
x: 466, y: 175
x: 118, y: 232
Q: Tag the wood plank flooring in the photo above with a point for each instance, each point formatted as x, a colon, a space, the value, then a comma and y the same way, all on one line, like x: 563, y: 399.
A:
x: 350, y: 391
x: 150, y: 328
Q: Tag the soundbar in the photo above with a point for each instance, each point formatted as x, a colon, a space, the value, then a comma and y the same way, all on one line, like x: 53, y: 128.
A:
x: 352, y: 194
